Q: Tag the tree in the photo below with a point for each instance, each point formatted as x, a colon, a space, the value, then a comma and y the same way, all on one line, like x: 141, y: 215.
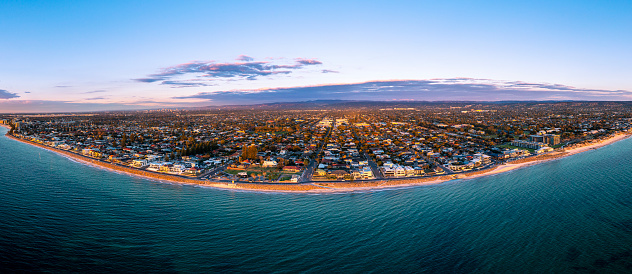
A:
x: 12, y: 125
x: 124, y: 141
x: 249, y: 152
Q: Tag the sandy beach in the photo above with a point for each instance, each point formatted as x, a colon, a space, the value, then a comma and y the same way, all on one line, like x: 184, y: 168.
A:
x: 552, y: 156
x: 329, y: 187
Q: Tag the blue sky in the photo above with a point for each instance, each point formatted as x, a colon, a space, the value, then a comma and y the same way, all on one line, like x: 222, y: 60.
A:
x: 100, y: 55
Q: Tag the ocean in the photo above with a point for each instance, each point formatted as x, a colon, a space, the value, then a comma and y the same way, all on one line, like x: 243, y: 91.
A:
x: 572, y: 215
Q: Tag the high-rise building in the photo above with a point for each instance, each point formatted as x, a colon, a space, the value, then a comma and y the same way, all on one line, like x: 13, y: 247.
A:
x: 550, y: 139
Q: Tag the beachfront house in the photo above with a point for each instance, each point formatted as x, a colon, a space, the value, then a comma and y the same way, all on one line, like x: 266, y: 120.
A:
x: 157, y: 166
x: 177, y: 169
x: 138, y: 163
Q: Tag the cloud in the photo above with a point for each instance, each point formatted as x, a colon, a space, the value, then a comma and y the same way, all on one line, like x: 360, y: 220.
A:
x: 27, y: 92
x: 329, y: 71
x: 148, y: 80
x: 182, y: 84
x: 94, y: 98
x: 246, y: 69
x: 304, y: 61
x: 453, y: 89
x: 4, y: 94
x: 95, y: 91
x: 245, y: 58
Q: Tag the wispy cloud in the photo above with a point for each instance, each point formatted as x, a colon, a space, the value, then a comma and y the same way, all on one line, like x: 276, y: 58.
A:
x: 246, y: 69
x: 304, y: 61
x: 184, y: 84
x: 95, y: 91
x: 4, y: 94
x: 94, y: 98
x: 329, y: 71
x: 454, y: 89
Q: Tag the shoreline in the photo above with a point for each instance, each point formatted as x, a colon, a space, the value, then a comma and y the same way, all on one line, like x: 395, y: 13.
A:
x: 329, y: 187
x: 516, y: 164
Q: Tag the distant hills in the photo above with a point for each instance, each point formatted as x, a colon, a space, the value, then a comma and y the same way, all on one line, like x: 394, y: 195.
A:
x: 319, y: 104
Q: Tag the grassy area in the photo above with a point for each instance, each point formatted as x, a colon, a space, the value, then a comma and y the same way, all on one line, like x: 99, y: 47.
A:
x: 271, y: 173
x: 235, y: 172
x: 263, y: 169
x: 232, y: 171
x: 285, y: 178
x: 512, y: 147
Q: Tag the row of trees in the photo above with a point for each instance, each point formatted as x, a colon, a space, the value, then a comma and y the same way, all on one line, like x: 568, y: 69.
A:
x: 198, y: 148
x: 125, y: 141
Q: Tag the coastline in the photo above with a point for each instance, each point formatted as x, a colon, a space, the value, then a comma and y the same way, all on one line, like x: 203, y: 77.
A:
x: 513, y: 165
x: 168, y: 177
x: 335, y: 187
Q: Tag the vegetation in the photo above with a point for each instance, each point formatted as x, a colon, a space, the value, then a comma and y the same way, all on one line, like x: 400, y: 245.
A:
x: 249, y: 152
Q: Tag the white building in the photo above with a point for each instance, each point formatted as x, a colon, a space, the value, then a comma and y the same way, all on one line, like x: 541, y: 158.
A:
x: 393, y: 170
x: 140, y: 162
x: 483, y: 158
x: 177, y: 169
x: 157, y: 166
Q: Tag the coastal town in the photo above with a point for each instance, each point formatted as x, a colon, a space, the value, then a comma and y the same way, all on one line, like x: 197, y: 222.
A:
x: 323, y: 145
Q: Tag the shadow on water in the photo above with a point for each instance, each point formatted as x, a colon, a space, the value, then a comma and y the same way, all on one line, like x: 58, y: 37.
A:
x: 447, y: 255
x: 620, y: 262
x: 572, y: 254
x: 625, y: 225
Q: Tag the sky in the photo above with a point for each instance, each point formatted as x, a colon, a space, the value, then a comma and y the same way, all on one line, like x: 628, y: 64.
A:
x: 59, y: 56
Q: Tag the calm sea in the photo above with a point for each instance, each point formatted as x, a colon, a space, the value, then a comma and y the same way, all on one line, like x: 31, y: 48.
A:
x: 566, y: 216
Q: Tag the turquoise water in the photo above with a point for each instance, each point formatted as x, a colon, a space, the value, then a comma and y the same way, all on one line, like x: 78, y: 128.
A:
x: 572, y: 215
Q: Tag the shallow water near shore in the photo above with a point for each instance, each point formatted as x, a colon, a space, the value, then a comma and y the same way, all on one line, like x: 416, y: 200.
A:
x: 568, y: 215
